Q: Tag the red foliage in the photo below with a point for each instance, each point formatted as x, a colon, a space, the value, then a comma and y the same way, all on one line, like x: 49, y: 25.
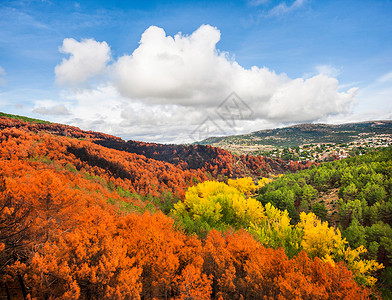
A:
x: 218, y: 162
x: 59, y: 237
x: 130, y: 171
x: 244, y: 269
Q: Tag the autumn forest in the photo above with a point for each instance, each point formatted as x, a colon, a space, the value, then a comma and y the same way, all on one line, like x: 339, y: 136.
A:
x: 86, y: 215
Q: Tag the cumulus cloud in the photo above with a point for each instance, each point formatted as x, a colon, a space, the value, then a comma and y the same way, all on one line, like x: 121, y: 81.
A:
x: 115, y: 114
x: 169, y: 85
x: 88, y: 58
x: 191, y: 71
x: 179, y: 70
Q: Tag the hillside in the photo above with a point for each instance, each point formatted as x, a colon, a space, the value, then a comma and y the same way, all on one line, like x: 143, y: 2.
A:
x: 297, y: 135
x: 217, y: 162
x: 82, y: 221
x: 353, y: 195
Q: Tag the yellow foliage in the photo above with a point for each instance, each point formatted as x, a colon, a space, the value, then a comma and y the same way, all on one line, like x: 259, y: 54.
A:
x: 362, y: 268
x: 243, y: 185
x: 276, y: 231
x: 327, y: 243
x: 318, y: 238
x: 274, y: 222
x: 263, y: 181
x: 219, y: 204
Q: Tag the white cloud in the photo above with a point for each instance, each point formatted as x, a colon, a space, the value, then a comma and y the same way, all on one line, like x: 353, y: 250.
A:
x: 385, y: 78
x: 2, y: 74
x: 88, y: 58
x: 328, y: 70
x: 283, y: 8
x: 257, y: 2
x: 190, y: 71
x: 169, y: 85
x: 309, y: 100
x: 178, y: 70
x: 104, y: 109
x: 56, y: 110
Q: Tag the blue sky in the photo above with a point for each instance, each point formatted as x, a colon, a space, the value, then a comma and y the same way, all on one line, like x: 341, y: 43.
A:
x: 337, y: 52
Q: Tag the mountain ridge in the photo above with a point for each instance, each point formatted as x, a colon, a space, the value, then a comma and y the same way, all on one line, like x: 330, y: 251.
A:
x: 200, y: 158
x: 300, y: 134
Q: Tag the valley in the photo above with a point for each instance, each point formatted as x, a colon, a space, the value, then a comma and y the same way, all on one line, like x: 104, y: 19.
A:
x: 86, y: 214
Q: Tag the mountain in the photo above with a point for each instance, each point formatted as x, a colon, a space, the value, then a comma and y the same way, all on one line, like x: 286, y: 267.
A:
x: 70, y: 147
x: 218, y: 162
x: 297, y: 135
x: 213, y: 160
x: 81, y: 220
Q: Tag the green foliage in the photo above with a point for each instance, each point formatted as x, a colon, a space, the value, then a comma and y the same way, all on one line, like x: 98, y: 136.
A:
x: 364, y: 211
x: 320, y: 211
x: 124, y: 193
x: 308, y: 193
x: 26, y: 119
x: 276, y: 231
x: 386, y: 283
x: 164, y: 202
x: 95, y: 178
x: 44, y: 159
x: 216, y: 205
x: 69, y: 167
x: 355, y: 235
x: 348, y: 211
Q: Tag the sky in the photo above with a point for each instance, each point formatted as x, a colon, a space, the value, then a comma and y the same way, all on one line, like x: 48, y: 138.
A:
x: 180, y: 71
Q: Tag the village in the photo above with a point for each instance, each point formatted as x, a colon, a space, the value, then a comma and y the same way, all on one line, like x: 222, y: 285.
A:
x: 330, y: 151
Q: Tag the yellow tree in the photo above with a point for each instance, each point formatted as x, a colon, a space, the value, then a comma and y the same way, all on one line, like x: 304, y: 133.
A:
x: 214, y: 204
x: 320, y: 240
x: 243, y: 185
x: 264, y: 181
x: 276, y: 231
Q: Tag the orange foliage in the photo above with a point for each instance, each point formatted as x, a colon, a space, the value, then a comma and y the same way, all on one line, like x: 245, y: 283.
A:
x: 130, y: 171
x: 244, y: 269
x: 218, y: 162
x: 59, y: 237
x: 91, y: 260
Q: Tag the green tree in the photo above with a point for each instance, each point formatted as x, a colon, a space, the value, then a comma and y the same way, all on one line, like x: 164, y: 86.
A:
x: 355, y: 234
x: 309, y: 193
x: 320, y: 211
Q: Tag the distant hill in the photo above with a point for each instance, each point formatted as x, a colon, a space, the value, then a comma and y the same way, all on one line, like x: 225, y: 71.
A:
x: 216, y: 162
x: 297, y: 135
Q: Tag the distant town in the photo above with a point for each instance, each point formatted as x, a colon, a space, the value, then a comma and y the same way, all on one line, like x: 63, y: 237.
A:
x: 330, y: 151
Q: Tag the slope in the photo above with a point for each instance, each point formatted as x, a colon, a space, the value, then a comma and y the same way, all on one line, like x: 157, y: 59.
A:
x: 354, y: 194
x: 297, y: 135
x: 219, y: 163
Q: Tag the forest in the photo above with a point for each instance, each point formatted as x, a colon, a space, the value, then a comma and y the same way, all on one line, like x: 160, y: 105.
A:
x: 85, y: 215
x: 358, y: 201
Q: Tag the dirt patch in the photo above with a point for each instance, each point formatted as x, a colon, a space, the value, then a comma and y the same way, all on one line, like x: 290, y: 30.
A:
x: 330, y: 200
